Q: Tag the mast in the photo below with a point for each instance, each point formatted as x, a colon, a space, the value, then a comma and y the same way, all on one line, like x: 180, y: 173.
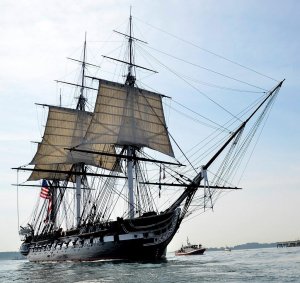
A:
x: 82, y: 100
x: 78, y: 195
x: 79, y: 167
x: 130, y: 168
x: 130, y: 80
x: 131, y: 131
x: 54, y: 203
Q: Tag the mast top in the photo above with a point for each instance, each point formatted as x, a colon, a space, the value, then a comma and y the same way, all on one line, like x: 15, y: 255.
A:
x: 130, y: 79
x: 82, y: 100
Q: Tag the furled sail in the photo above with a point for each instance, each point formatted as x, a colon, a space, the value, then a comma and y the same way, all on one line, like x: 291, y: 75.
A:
x: 65, y: 128
x: 126, y: 115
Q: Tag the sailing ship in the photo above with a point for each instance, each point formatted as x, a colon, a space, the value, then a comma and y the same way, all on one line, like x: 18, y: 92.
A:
x: 91, y: 162
x: 190, y: 249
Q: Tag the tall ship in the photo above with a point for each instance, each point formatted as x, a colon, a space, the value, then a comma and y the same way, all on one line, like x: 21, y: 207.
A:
x: 103, y: 173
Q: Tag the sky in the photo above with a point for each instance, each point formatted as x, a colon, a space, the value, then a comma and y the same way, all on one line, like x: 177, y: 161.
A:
x: 37, y: 36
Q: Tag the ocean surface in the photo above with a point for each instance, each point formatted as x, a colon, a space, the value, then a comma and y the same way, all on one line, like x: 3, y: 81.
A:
x: 259, y: 265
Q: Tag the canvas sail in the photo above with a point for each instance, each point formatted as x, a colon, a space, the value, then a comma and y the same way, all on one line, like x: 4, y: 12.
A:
x: 65, y: 128
x: 50, y: 175
x: 126, y: 115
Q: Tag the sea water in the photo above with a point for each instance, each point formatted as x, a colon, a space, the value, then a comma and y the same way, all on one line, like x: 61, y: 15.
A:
x: 259, y: 265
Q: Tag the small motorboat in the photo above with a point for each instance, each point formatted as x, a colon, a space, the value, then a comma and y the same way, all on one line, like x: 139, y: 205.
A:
x: 190, y: 249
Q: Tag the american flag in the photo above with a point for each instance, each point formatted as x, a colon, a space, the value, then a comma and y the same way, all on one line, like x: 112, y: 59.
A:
x: 45, y: 192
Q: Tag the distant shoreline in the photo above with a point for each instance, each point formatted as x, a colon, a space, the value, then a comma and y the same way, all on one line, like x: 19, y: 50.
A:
x: 247, y: 246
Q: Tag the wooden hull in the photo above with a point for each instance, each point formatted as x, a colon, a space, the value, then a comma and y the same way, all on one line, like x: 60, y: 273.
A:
x: 141, y: 243
x: 131, y: 250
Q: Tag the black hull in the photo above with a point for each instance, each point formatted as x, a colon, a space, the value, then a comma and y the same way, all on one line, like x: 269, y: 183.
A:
x: 139, y: 244
x: 131, y: 250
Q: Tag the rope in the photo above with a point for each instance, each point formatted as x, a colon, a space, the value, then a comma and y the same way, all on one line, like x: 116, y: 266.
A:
x: 207, y: 69
x: 18, y: 199
x: 206, y: 50
x: 191, y: 85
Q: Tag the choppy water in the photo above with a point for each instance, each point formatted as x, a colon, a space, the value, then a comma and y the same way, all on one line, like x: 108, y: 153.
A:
x: 261, y: 265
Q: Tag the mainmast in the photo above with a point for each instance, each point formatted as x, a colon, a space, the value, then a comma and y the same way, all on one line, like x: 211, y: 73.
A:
x: 79, y: 166
x: 135, y: 128
x: 130, y: 80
